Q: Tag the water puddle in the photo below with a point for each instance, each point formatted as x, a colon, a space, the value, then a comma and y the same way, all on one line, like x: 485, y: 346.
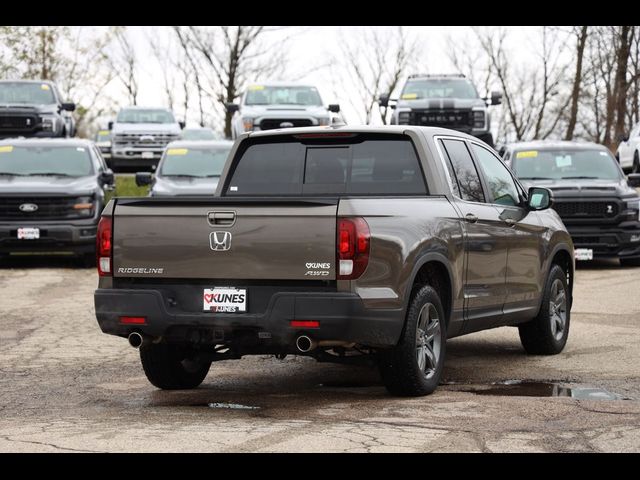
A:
x: 521, y: 388
x: 232, y: 406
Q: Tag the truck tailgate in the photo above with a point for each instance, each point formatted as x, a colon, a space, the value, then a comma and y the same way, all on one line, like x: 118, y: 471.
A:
x: 221, y: 238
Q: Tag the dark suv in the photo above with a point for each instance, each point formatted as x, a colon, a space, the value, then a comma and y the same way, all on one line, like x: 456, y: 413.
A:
x: 51, y: 195
x: 449, y: 101
x: 34, y: 108
x: 599, y: 206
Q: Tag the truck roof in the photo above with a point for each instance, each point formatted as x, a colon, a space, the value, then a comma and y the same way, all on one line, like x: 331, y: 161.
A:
x: 397, y: 129
x: 280, y: 83
x: 47, y: 142
x: 18, y: 80
x: 199, y: 143
x: 554, y: 145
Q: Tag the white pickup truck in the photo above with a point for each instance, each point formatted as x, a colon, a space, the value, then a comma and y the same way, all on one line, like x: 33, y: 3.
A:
x: 280, y: 105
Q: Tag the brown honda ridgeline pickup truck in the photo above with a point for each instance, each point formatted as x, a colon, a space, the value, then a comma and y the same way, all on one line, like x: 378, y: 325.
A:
x: 335, y: 242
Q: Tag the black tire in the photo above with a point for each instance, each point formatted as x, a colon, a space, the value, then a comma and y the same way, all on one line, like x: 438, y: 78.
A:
x: 400, y: 366
x: 547, y: 333
x: 487, y: 138
x: 168, y: 366
x: 630, y: 262
x: 636, y: 163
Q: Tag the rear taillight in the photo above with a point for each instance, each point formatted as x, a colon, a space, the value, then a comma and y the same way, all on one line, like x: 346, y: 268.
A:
x: 353, y: 247
x: 104, y: 240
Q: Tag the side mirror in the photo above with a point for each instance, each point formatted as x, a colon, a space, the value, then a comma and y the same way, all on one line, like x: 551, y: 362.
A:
x: 633, y: 180
x: 334, y: 107
x: 623, y: 138
x: 540, y: 198
x: 68, y: 106
x: 182, y: 125
x: 107, y: 177
x: 496, y: 98
x: 232, y: 107
x: 383, y: 101
x: 110, y: 125
x: 144, y: 178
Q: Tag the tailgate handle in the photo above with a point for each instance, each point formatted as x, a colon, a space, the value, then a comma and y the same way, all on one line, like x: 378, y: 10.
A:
x: 222, y: 218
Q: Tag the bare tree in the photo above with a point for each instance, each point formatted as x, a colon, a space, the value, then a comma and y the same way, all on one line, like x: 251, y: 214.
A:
x: 227, y: 57
x: 374, y: 64
x: 124, y: 63
x: 581, y: 34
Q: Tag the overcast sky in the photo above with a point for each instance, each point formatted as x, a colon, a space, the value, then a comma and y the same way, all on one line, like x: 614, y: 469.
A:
x: 319, y: 44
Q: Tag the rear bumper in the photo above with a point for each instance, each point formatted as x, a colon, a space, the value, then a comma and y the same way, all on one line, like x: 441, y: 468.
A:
x: 607, y: 242
x: 77, y: 239
x: 342, y: 317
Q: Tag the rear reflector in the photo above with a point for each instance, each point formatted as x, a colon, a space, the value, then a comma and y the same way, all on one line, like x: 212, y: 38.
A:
x: 133, y: 320
x: 305, y: 324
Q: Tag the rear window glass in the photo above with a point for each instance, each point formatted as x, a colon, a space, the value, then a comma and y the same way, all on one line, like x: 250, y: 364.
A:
x: 369, y: 167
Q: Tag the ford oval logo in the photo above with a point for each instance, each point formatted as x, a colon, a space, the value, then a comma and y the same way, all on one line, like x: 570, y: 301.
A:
x: 28, y: 207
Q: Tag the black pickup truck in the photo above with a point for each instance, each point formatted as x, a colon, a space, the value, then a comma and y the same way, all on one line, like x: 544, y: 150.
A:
x: 34, y: 108
x: 599, y: 206
x: 52, y: 192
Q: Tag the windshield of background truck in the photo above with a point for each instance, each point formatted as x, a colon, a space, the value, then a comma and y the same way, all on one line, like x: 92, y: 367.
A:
x: 26, y: 93
x: 438, y: 88
x: 375, y: 165
x: 263, y: 95
x: 194, y: 162
x: 564, y: 164
x: 50, y: 160
x: 145, y: 116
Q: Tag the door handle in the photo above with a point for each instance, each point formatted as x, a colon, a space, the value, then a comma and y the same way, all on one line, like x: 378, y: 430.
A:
x: 510, y: 221
x: 471, y: 218
x: 222, y: 218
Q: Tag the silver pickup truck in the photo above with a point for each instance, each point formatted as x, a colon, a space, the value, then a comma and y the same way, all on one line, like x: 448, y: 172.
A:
x: 275, y: 105
x: 333, y: 243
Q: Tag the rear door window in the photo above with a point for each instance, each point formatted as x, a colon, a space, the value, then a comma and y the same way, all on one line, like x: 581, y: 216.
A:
x: 369, y: 166
x: 465, y: 171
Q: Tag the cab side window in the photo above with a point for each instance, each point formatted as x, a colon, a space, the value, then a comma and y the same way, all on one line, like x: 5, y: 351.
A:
x: 499, y: 181
x: 463, y: 171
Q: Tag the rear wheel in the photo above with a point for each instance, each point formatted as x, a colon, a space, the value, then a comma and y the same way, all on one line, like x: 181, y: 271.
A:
x: 547, y: 333
x: 414, y: 366
x: 172, y: 367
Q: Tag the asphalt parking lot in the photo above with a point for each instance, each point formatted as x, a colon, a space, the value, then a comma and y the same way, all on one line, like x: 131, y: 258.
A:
x: 64, y: 386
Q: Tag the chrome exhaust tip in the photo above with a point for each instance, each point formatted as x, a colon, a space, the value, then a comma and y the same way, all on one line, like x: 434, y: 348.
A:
x: 135, y: 339
x: 305, y: 344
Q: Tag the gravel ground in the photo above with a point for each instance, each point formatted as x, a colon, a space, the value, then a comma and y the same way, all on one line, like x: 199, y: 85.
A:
x: 65, y: 386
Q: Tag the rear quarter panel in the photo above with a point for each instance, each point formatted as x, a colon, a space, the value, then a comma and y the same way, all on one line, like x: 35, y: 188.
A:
x: 405, y: 231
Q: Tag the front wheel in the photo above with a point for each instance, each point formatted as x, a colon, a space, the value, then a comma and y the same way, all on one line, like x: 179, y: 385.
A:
x: 547, y: 333
x: 414, y: 366
x: 172, y: 367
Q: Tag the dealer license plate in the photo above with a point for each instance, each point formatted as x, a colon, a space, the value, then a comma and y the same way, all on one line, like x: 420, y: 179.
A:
x: 584, y: 253
x: 225, y: 300
x: 28, y: 233
x: 147, y: 154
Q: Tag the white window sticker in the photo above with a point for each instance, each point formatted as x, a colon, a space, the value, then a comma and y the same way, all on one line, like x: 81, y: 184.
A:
x: 80, y: 149
x: 563, y: 161
x: 233, y: 189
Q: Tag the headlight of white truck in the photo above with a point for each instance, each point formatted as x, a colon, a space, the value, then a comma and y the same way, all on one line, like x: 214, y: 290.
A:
x: 323, y: 121
x: 247, y: 122
x: 479, y: 119
x: 48, y: 122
